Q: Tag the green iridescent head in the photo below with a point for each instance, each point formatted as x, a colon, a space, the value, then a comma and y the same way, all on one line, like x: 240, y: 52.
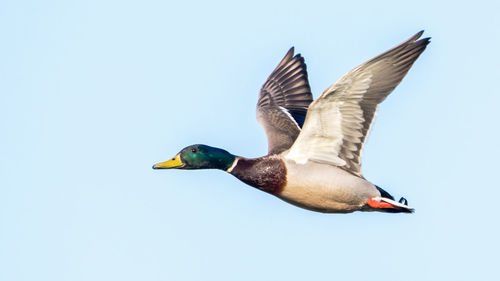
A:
x: 199, y: 156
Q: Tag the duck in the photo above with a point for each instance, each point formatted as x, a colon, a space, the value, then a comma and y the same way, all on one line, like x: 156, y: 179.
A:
x: 314, y: 147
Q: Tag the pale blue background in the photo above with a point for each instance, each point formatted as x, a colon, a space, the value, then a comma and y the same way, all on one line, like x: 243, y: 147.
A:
x: 92, y: 93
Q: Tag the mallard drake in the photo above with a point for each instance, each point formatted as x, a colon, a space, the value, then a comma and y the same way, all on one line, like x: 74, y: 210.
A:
x: 314, y: 148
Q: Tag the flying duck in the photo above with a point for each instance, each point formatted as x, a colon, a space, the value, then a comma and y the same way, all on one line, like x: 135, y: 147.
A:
x: 314, y: 147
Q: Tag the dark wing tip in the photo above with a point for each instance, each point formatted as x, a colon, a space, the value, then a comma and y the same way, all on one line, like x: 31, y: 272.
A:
x: 422, y: 43
x: 286, y: 58
x: 419, y: 34
x: 425, y: 40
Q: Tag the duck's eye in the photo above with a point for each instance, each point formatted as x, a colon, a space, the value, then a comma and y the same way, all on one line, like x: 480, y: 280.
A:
x: 193, y: 150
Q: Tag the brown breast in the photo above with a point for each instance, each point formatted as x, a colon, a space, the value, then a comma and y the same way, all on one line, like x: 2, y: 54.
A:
x: 267, y: 173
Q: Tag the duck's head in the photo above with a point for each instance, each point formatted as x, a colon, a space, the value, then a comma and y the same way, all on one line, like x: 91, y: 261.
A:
x: 199, y: 156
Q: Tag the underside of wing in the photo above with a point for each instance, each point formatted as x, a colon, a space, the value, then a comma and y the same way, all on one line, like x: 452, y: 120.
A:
x: 283, y: 102
x: 339, y: 120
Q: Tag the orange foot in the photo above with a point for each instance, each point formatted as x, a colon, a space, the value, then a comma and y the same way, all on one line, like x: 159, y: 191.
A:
x: 389, y: 205
x: 378, y: 204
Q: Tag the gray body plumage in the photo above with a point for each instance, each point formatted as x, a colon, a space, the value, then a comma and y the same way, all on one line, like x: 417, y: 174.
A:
x: 325, y: 188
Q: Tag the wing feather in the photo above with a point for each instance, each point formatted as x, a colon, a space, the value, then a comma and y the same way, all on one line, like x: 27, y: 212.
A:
x: 338, y: 121
x: 283, y: 102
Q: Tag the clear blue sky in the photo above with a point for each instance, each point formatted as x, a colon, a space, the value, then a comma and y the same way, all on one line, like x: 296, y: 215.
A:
x: 92, y: 93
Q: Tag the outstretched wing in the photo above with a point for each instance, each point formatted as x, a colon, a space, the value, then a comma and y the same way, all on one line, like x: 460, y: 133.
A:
x: 283, y: 102
x: 338, y: 121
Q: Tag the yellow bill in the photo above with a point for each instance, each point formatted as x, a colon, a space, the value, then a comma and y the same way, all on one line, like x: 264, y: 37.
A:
x: 170, y: 164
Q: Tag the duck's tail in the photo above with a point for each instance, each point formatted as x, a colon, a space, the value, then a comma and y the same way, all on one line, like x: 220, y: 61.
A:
x: 386, y: 203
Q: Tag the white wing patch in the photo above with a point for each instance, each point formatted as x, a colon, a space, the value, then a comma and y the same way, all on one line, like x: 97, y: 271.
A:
x: 333, y: 125
x: 320, y: 140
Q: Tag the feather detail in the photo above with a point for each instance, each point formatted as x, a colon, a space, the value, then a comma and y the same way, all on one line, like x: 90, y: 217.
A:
x: 338, y: 121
